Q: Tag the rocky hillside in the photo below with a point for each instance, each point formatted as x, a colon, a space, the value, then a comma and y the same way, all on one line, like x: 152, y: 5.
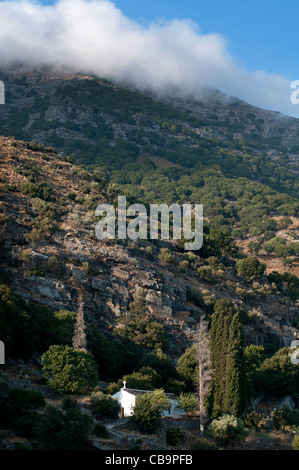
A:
x: 49, y: 254
x: 102, y: 123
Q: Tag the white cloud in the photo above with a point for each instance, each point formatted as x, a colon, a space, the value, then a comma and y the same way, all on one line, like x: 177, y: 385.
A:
x: 97, y: 37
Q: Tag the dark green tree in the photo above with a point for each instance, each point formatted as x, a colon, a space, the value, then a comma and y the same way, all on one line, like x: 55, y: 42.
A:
x: 64, y: 429
x: 148, y: 410
x: 187, y: 367
x: 160, y: 363
x: 137, y: 326
x: 104, y: 405
x: 228, y: 387
x: 250, y: 268
x: 235, y: 396
x: 68, y: 370
x: 277, y: 376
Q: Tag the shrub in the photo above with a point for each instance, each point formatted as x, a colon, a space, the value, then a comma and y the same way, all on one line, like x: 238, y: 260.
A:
x: 277, y: 376
x: 184, y: 264
x: 227, y: 428
x: 202, y: 444
x: 205, y: 274
x: 34, y: 236
x: 287, y: 283
x: 166, y: 256
x: 41, y: 191
x: 251, y: 419
x: 64, y: 429
x: 35, y: 272
x: 145, y: 379
x: 187, y: 367
x: 53, y: 264
x: 20, y: 403
x: 295, y: 443
x: 3, y: 221
x: 86, y: 267
x: 26, y: 256
x: 137, y: 326
x: 30, y: 189
x: 187, y: 402
x: 135, y: 443
x: 72, y: 196
x: 85, y: 189
x: 159, y: 361
x: 25, y: 425
x: 100, y: 430
x: 26, y: 400
x: 113, y: 388
x: 104, y: 405
x: 174, y: 435
x: 250, y: 268
x: 285, y: 416
x: 148, y: 409
x: 68, y: 370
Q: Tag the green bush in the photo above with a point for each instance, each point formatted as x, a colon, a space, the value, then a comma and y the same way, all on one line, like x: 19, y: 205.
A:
x: 285, y: 416
x: 145, y: 379
x: 251, y: 419
x: 135, y: 443
x: 250, y: 268
x: 113, y: 388
x: 187, y: 367
x: 41, y: 191
x: 277, y: 376
x: 187, y: 402
x: 113, y: 354
x: 104, y: 405
x: 202, y: 444
x: 18, y: 329
x: 64, y: 429
x: 53, y: 264
x: 20, y: 404
x: 166, y: 256
x: 139, y: 327
x: 174, y: 436
x: 287, y: 283
x: 100, y: 430
x: 295, y: 443
x: 72, y: 196
x: 159, y: 361
x: 227, y: 428
x: 26, y: 400
x: 148, y: 409
x: 25, y: 425
x: 68, y: 370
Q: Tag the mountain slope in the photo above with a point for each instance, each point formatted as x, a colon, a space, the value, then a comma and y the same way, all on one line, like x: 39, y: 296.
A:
x: 50, y: 255
x: 239, y: 161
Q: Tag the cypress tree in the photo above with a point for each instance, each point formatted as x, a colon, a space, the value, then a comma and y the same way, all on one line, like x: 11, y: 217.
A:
x: 227, y: 361
x: 218, y: 346
x: 235, y: 393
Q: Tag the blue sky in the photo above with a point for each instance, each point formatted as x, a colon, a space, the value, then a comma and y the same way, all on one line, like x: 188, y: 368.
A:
x: 262, y: 34
x: 245, y: 49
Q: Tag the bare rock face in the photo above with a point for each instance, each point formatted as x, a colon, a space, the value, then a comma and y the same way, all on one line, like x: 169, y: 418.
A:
x: 286, y: 401
x: 109, y: 289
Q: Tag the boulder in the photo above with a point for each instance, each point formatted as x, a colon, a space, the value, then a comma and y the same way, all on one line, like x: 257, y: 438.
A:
x: 285, y: 401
